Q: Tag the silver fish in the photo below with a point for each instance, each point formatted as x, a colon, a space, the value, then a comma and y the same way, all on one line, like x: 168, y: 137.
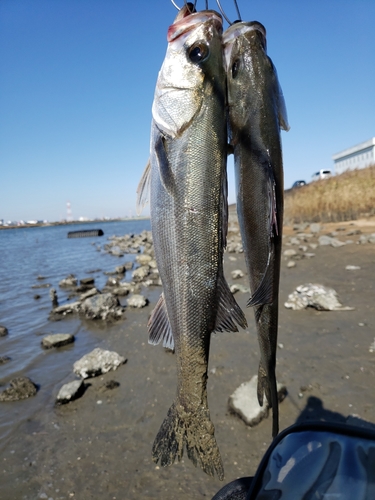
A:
x: 188, y: 197
x: 256, y: 113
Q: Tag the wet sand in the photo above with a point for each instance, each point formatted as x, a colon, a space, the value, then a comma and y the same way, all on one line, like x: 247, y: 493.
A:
x: 99, y: 446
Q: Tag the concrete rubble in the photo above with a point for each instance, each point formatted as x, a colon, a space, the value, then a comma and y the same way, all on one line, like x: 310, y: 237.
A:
x: 317, y: 296
x: 97, y: 362
x: 244, y: 402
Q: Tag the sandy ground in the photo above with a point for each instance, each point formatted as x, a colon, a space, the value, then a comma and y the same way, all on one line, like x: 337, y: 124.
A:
x: 99, y: 447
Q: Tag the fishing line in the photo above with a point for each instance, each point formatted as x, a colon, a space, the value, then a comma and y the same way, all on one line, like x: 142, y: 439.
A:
x: 185, y: 2
x: 225, y: 16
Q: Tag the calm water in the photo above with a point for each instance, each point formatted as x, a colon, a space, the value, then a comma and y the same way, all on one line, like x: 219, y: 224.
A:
x: 25, y: 254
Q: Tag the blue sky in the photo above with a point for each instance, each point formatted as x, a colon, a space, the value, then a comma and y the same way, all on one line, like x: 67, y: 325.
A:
x: 77, y: 79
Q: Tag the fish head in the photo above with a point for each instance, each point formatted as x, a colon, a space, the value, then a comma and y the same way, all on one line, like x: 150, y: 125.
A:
x: 251, y: 75
x: 245, y: 60
x: 192, y: 64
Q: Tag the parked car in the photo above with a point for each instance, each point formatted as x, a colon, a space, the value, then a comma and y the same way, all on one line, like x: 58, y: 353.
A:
x: 298, y: 184
x: 321, y: 174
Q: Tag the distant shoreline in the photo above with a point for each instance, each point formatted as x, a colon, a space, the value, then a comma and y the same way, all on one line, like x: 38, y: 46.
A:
x: 73, y: 223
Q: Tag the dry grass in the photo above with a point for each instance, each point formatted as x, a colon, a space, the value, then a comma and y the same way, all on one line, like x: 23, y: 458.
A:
x: 347, y: 196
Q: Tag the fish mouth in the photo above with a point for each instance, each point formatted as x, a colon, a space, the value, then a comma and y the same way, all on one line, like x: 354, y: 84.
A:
x: 240, y: 29
x: 190, y: 21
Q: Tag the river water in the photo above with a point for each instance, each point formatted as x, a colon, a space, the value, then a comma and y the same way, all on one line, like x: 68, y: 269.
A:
x: 27, y: 254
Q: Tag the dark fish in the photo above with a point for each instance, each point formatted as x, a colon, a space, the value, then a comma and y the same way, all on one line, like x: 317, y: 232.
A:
x: 256, y: 113
x: 188, y: 195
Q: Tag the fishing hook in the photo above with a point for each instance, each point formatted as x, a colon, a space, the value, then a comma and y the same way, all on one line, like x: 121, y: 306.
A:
x: 185, y: 2
x: 224, y: 15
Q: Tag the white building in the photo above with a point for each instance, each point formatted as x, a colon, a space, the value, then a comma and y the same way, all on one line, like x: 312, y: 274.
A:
x: 359, y: 156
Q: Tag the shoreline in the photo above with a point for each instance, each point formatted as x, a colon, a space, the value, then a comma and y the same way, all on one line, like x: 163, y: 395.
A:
x: 73, y: 223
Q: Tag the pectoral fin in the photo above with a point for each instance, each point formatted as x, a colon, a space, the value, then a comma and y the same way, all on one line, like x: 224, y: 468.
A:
x: 159, y: 327
x: 163, y: 165
x: 228, y: 312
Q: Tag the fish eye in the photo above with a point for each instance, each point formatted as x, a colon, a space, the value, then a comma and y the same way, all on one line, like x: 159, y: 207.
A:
x: 235, y: 68
x: 198, y: 52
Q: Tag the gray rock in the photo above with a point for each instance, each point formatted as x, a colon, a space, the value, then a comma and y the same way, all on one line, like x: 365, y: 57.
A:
x: 316, y: 296
x: 4, y: 359
x: 42, y: 285
x: 89, y: 293
x: 371, y: 238
x: 102, y: 306
x: 300, y: 227
x: 244, y: 402
x: 116, y: 251
x: 141, y: 273
x: 239, y: 288
x: 137, y: 301
x: 128, y: 265
x: 65, y: 309
x: 97, y: 362
x: 315, y: 228
x: 87, y: 281
x: 57, y: 340
x: 120, y: 291
x: 291, y: 264
x: 309, y: 255
x: 353, y: 232
x: 237, y: 273
x: 70, y: 391
x: 109, y: 386
x: 68, y: 282
x: 3, y: 331
x: 143, y: 259
x: 120, y: 270
x: 352, y: 268
x: 290, y: 252
x: 53, y: 297
x: 303, y: 248
x: 294, y: 241
x: 20, y: 388
x: 328, y: 240
x: 363, y: 239
x: 305, y: 236
x: 112, y: 282
x: 314, y: 246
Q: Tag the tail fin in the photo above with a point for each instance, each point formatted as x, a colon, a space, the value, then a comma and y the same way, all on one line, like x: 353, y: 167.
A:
x: 193, y: 430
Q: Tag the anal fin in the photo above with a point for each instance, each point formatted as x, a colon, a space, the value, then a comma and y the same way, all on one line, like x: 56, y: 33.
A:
x: 229, y: 313
x: 264, y: 293
x: 159, y: 326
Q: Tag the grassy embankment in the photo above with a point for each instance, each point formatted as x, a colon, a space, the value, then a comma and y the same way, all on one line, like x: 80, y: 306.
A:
x: 348, y: 196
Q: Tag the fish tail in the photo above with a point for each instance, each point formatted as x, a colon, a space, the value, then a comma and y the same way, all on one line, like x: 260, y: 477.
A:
x: 193, y: 430
x: 267, y: 385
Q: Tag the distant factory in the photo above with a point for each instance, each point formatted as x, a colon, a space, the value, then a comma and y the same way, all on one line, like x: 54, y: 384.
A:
x: 359, y: 156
